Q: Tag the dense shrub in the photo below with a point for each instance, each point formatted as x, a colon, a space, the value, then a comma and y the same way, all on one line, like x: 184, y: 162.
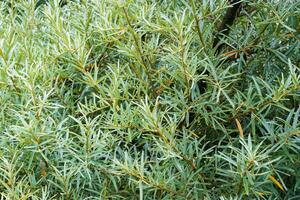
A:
x: 101, y: 100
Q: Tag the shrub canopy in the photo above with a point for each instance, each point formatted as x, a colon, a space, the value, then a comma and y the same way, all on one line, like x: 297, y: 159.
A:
x: 104, y: 100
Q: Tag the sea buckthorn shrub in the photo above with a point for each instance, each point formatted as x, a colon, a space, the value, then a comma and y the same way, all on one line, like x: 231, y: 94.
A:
x: 130, y: 100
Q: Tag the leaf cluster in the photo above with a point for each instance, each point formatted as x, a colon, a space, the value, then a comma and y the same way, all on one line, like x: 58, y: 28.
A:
x: 101, y: 100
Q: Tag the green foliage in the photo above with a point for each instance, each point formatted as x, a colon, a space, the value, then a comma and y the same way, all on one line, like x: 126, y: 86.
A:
x: 100, y: 100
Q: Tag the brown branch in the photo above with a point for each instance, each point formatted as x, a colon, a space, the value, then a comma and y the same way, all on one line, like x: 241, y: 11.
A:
x: 229, y: 18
